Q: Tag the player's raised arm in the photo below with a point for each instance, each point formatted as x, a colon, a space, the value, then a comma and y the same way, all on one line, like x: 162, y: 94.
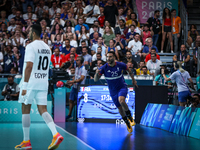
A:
x: 132, y: 77
x: 97, y: 75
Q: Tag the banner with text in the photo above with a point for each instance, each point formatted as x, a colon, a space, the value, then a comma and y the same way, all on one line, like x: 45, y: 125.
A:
x: 146, y: 8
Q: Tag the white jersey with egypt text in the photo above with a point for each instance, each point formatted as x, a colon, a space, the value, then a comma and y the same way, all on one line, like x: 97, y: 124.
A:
x: 39, y: 54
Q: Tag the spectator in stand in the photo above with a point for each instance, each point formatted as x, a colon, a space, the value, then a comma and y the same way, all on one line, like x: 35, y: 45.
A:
x: 8, y: 59
x: 96, y: 65
x: 145, y: 71
x: 72, y: 41
x: 64, y: 14
x: 166, y: 28
x: 79, y: 7
x: 91, y: 12
x: 55, y: 30
x: 121, y: 16
x: 18, y: 18
x: 29, y: 10
x: 101, y: 18
x: 176, y: 29
x: 57, y: 43
x: 58, y: 20
x: 57, y: 59
x: 83, y: 35
x: 131, y: 18
x: 135, y: 46
x: 96, y: 27
x: 26, y: 3
x: 111, y: 47
x: 120, y: 44
x: 95, y: 38
x: 99, y: 50
x: 53, y: 10
x: 110, y: 11
x: 3, y: 18
x: 87, y: 57
x: 69, y: 30
x: 71, y: 63
x: 10, y: 90
x: 122, y: 29
x: 66, y: 50
x: 153, y: 65
x: 80, y: 14
x: 146, y: 33
x: 129, y: 11
x: 147, y: 49
x: 192, y: 34
x: 152, y: 51
x: 12, y: 25
x: 108, y: 35
x: 129, y: 58
x: 14, y: 10
x: 130, y: 35
x: 17, y: 39
x: 44, y: 17
x: 154, y: 22
x: 73, y: 51
x: 71, y: 19
x: 14, y: 71
x: 79, y: 25
x: 79, y: 49
x: 41, y: 8
x: 184, y: 56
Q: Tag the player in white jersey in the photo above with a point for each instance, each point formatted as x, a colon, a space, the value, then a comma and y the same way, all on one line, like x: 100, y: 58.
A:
x: 34, y: 86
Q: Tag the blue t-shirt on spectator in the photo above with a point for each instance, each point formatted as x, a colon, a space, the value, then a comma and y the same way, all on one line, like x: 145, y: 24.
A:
x: 146, y: 49
x: 91, y: 35
x: 128, y: 35
x: 78, y: 27
x: 63, y: 16
x: 59, y: 45
x: 66, y: 51
x: 41, y: 36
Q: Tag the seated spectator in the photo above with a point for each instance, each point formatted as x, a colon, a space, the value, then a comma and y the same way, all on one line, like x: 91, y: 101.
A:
x: 145, y: 71
x: 45, y: 17
x: 57, y: 42
x: 153, y: 65
x: 135, y: 46
x: 12, y: 25
x: 121, y: 29
x: 71, y: 63
x: 41, y: 8
x: 73, y: 51
x: 184, y: 56
x: 96, y: 64
x: 18, y: 18
x: 56, y: 29
x: 8, y: 59
x: 146, y: 33
x: 137, y: 29
x: 111, y: 47
x: 130, y: 66
x: 130, y: 35
x: 79, y: 49
x: 29, y: 10
x: 147, y: 49
x: 69, y: 30
x: 71, y: 19
x: 192, y: 34
x: 14, y: 71
x: 3, y: 18
x: 120, y: 44
x: 131, y: 18
x: 58, y: 20
x: 83, y: 35
x: 78, y: 26
x: 107, y: 23
x: 101, y: 18
x: 108, y: 35
x: 129, y: 58
x: 80, y: 14
x: 120, y: 15
x: 67, y: 48
x: 95, y: 46
x: 72, y: 41
x: 14, y: 10
x: 139, y: 70
x: 95, y: 56
x: 57, y: 59
x: 96, y: 27
x: 17, y: 39
x: 64, y: 13
x: 94, y: 38
x: 53, y: 10
x: 160, y: 80
x: 87, y: 57
x: 148, y: 57
x: 10, y: 90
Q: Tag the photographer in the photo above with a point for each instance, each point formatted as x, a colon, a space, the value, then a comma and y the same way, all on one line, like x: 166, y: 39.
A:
x: 194, y: 101
x: 10, y: 90
x: 181, y: 77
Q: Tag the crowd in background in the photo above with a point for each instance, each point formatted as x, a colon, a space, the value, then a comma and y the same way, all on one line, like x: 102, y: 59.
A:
x: 91, y: 29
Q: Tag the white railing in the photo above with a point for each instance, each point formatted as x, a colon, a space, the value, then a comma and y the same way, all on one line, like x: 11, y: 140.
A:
x: 184, y: 20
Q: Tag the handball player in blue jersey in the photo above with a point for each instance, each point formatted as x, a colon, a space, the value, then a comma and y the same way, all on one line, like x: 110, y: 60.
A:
x: 113, y: 72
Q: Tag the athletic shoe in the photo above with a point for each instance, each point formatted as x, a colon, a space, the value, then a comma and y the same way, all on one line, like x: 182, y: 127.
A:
x: 161, y: 51
x: 172, y: 51
x: 68, y: 117
x: 24, y: 145
x: 57, y: 139
x: 129, y: 127
x: 132, y: 122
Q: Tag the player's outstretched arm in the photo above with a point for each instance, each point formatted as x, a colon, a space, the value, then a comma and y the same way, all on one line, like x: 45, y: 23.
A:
x: 97, y: 76
x: 132, y: 77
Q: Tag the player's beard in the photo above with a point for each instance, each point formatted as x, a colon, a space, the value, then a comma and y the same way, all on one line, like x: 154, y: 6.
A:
x: 110, y: 61
x: 31, y: 36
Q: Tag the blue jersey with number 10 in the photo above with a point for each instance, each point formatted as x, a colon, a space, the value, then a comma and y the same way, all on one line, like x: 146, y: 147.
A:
x: 114, y: 76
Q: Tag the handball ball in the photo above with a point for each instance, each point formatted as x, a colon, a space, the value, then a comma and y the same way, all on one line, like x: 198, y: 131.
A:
x: 59, y: 84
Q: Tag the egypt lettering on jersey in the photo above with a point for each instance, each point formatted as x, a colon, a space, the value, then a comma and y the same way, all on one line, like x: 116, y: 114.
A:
x: 44, y: 51
x: 40, y: 75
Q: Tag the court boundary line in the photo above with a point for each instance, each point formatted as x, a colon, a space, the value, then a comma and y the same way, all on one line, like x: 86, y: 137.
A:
x: 76, y: 137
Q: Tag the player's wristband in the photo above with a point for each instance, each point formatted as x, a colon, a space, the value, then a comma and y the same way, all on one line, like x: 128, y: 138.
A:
x: 24, y: 85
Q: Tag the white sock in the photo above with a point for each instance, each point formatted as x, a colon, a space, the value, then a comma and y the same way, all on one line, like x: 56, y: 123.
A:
x: 26, y: 126
x: 49, y: 121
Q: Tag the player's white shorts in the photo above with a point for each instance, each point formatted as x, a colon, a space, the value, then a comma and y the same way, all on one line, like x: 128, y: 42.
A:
x: 40, y: 97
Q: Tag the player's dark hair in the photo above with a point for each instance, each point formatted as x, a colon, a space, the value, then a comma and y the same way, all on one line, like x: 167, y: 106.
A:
x: 133, y: 26
x: 153, y: 49
x: 197, y: 96
x: 37, y: 29
x: 144, y: 67
x: 173, y: 10
x: 156, y: 11
x: 137, y: 34
x: 112, y: 52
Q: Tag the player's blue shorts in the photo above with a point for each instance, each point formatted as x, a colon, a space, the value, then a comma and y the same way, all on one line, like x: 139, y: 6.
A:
x: 182, y: 96
x: 121, y: 92
x: 73, y: 94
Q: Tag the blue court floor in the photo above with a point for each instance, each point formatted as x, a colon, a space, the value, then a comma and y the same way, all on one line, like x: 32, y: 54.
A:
x: 100, y: 136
